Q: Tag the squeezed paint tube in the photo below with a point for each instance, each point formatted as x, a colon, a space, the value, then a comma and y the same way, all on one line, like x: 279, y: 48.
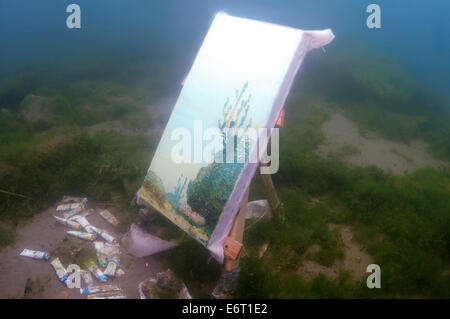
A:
x: 92, y: 267
x: 110, y: 239
x: 79, y: 234
x: 60, y: 270
x: 94, y: 230
x: 109, y: 217
x: 106, y: 252
x: 71, y: 206
x: 83, y: 214
x: 35, y: 254
x: 73, y: 212
x: 111, y: 267
x: 83, y: 221
x: 67, y: 222
x: 97, y: 289
x: 107, y: 296
x: 101, y: 255
x: 71, y: 199
x: 87, y: 278
x: 87, y: 226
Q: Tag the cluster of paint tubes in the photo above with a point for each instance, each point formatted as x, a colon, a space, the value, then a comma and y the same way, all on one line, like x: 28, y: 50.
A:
x: 74, y: 216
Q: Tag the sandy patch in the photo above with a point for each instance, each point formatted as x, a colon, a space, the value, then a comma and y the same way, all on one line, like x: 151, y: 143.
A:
x: 34, y: 108
x: 344, y: 141
x: 43, y: 233
x: 355, y: 260
x: 160, y: 110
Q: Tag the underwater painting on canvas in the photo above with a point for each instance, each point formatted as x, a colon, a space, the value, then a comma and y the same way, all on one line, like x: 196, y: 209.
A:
x: 235, y: 89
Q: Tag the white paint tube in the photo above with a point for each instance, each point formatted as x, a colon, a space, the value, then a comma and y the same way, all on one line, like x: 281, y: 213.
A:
x: 109, y: 217
x: 101, y: 255
x: 94, y: 230
x: 117, y: 295
x: 83, y: 214
x: 87, y: 278
x: 67, y: 222
x: 97, y: 289
x: 71, y: 206
x: 111, y: 268
x: 79, y: 234
x: 87, y: 226
x: 92, y: 267
x: 72, y: 199
x: 73, y: 212
x: 35, y: 254
x: 60, y: 270
x: 110, y: 239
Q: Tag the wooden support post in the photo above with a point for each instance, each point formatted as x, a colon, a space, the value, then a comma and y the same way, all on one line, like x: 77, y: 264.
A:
x: 272, y: 196
x: 234, y: 240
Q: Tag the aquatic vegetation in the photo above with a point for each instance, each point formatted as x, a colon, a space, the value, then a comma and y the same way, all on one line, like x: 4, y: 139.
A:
x: 380, y: 96
x: 402, y: 220
x: 178, y: 191
x: 72, y: 163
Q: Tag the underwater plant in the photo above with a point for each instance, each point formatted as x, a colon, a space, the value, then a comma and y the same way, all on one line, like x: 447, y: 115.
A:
x: 177, y: 193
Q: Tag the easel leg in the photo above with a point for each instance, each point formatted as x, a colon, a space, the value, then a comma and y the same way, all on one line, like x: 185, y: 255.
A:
x: 230, y: 270
x: 272, y: 196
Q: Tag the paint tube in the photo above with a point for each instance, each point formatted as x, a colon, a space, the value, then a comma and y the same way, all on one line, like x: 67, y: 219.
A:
x: 110, y: 239
x: 67, y: 222
x: 111, y: 267
x: 79, y: 234
x: 87, y: 278
x: 35, y: 254
x: 101, y: 256
x: 60, y: 270
x: 73, y: 212
x: 117, y: 295
x: 92, y: 267
x: 71, y: 199
x: 83, y: 214
x: 97, y: 289
x: 109, y: 217
x: 71, y: 206
x: 94, y: 230
x: 83, y: 221
x: 106, y: 252
x: 87, y: 226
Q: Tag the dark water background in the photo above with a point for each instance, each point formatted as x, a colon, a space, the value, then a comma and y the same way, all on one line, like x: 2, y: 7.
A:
x: 82, y: 110
x: 117, y: 33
